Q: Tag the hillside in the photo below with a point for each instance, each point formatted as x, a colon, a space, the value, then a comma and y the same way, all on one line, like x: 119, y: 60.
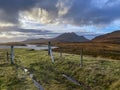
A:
x: 113, y: 37
x: 40, y: 40
x: 65, y: 37
x: 70, y: 37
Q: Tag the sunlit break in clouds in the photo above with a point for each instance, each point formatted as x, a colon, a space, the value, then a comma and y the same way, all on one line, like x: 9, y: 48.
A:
x: 24, y: 19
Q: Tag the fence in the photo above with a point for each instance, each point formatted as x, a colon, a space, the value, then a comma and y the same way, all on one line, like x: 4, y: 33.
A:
x: 53, y: 59
x: 10, y: 56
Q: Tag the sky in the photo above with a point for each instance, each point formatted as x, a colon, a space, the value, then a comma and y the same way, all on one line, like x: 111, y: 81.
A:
x: 26, y: 19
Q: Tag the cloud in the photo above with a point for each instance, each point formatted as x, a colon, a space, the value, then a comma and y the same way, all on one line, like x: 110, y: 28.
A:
x: 20, y: 30
x: 18, y: 34
x: 77, y: 12
x: 85, y: 12
x: 9, y: 9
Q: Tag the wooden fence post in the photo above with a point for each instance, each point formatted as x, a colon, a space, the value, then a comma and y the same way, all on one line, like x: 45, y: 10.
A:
x: 7, y: 56
x: 51, y: 54
x: 49, y: 47
x: 81, y: 57
x: 12, y: 55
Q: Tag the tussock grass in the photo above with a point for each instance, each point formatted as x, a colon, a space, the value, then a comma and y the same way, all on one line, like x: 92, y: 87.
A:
x: 98, y: 74
x: 107, y: 50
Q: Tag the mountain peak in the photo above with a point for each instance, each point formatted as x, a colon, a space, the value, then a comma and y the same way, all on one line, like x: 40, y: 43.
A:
x: 68, y: 34
x: 70, y: 37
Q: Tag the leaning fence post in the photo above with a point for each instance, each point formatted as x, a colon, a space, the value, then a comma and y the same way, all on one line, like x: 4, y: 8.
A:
x: 51, y: 54
x: 12, y: 55
x: 81, y: 57
x: 49, y: 46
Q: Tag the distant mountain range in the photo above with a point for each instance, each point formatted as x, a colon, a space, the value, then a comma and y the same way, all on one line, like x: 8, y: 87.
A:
x: 113, y: 37
x: 66, y: 37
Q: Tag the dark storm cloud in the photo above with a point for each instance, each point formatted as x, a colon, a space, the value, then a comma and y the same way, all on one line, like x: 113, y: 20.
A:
x: 8, y: 17
x: 15, y: 5
x: 9, y: 9
x: 84, y: 12
x: 81, y: 12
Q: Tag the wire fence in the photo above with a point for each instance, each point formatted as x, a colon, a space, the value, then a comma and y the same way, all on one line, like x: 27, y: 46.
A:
x: 10, y: 57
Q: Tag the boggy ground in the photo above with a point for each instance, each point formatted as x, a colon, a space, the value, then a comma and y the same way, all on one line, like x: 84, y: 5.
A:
x: 106, y: 50
x: 96, y: 73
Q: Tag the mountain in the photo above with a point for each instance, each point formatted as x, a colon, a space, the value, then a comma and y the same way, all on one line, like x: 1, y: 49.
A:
x: 40, y: 40
x: 70, y: 37
x: 113, y: 37
x: 66, y: 37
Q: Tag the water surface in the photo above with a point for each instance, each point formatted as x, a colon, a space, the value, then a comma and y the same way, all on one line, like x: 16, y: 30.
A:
x: 28, y: 46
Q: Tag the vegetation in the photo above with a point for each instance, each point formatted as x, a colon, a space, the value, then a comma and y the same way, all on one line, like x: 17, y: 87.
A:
x: 96, y: 73
x: 106, y: 50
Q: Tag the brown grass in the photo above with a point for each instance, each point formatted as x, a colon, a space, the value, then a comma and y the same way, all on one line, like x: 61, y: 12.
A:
x: 107, y: 50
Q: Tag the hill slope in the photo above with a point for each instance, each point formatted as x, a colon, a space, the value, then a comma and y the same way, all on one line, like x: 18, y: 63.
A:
x: 66, y: 37
x: 40, y: 40
x: 113, y: 37
x: 70, y: 37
